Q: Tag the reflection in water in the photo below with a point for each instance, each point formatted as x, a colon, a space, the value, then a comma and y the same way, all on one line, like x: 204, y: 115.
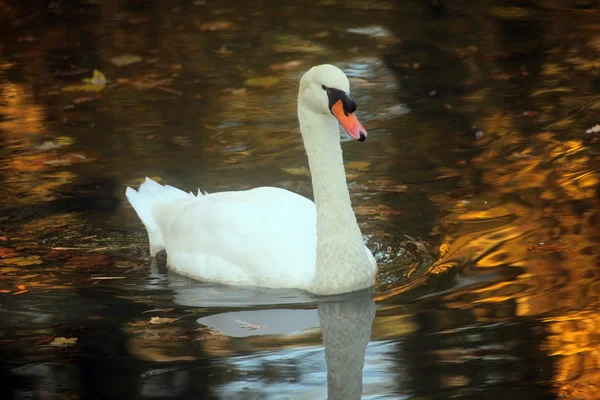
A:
x: 346, y: 328
x: 346, y: 331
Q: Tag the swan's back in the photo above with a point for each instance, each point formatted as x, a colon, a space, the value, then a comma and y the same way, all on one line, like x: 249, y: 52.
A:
x: 261, y: 237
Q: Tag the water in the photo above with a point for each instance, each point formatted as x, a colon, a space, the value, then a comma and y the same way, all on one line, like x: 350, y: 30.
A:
x: 477, y: 190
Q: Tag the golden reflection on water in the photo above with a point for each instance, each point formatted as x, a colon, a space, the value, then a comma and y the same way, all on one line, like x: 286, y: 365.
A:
x: 539, y: 213
x: 532, y: 225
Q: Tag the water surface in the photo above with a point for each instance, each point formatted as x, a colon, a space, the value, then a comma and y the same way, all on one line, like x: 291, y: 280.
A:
x: 477, y: 190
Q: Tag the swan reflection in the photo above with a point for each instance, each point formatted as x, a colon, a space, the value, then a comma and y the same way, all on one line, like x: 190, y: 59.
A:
x: 345, y: 326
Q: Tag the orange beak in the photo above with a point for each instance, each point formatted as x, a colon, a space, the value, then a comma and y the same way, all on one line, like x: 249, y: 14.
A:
x: 349, y: 122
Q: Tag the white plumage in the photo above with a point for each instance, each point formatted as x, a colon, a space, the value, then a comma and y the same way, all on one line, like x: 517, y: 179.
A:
x: 268, y: 236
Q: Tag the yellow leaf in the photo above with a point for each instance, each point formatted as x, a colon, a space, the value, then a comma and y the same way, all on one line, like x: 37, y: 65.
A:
x: 96, y: 83
x: 297, y: 171
x: 358, y: 165
x: 126, y: 59
x: 64, y: 140
x: 97, y: 79
x: 265, y: 81
x: 23, y: 261
x: 159, y: 320
x: 63, y: 341
x: 555, y: 90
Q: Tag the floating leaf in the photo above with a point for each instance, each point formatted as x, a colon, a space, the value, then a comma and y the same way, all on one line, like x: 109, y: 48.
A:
x: 555, y: 90
x: 63, y: 341
x: 297, y: 171
x: 158, y: 310
x: 126, y: 59
x: 97, y: 79
x: 67, y: 159
x: 23, y: 261
x: 96, y: 83
x: 160, y: 320
x: 54, y: 144
x: 265, y: 81
x: 358, y: 165
x: 44, y: 340
x: 380, y: 210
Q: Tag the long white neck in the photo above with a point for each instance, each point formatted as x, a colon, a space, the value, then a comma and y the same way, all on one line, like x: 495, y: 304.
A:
x: 342, y: 261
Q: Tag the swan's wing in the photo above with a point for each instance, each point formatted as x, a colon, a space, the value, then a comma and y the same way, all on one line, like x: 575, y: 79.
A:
x: 263, y: 237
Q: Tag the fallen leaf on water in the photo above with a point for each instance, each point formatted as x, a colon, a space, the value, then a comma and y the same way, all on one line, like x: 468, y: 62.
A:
x: 216, y: 26
x: 265, y: 81
x: 22, y: 261
x: 126, y: 59
x: 160, y: 320
x: 45, y: 340
x: 96, y: 83
x: 67, y: 159
x: 153, y: 321
x: 593, y: 129
x: 97, y: 79
x: 358, y: 165
x: 555, y: 90
x: 158, y: 310
x: 63, y: 341
x: 378, y: 210
x: 21, y: 287
x: 286, y: 66
x: 47, y: 145
x: 54, y: 144
x: 297, y: 171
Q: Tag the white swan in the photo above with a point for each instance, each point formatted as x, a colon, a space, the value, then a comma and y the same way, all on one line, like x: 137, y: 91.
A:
x: 267, y: 236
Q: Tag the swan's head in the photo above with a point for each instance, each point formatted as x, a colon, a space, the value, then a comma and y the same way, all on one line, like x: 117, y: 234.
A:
x: 325, y: 89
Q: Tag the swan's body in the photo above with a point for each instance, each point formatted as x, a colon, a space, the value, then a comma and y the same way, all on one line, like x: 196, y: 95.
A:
x: 268, y: 236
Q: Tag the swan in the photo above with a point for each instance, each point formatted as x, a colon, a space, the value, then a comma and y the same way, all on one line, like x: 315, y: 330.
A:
x: 271, y: 237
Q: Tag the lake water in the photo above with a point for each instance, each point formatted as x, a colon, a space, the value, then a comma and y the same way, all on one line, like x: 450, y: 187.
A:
x: 477, y: 190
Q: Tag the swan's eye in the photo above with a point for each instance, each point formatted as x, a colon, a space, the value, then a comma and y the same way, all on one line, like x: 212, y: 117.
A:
x: 323, y: 87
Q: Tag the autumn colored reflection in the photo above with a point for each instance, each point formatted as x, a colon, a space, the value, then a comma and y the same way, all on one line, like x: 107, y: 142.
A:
x: 478, y: 191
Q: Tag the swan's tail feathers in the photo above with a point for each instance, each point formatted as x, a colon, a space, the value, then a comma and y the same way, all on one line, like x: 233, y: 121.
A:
x: 143, y: 201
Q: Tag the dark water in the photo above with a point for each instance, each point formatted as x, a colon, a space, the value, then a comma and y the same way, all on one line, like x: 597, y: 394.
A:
x: 478, y: 191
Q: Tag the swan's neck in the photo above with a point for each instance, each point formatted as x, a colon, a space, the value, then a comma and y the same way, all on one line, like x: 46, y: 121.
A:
x: 342, y: 262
